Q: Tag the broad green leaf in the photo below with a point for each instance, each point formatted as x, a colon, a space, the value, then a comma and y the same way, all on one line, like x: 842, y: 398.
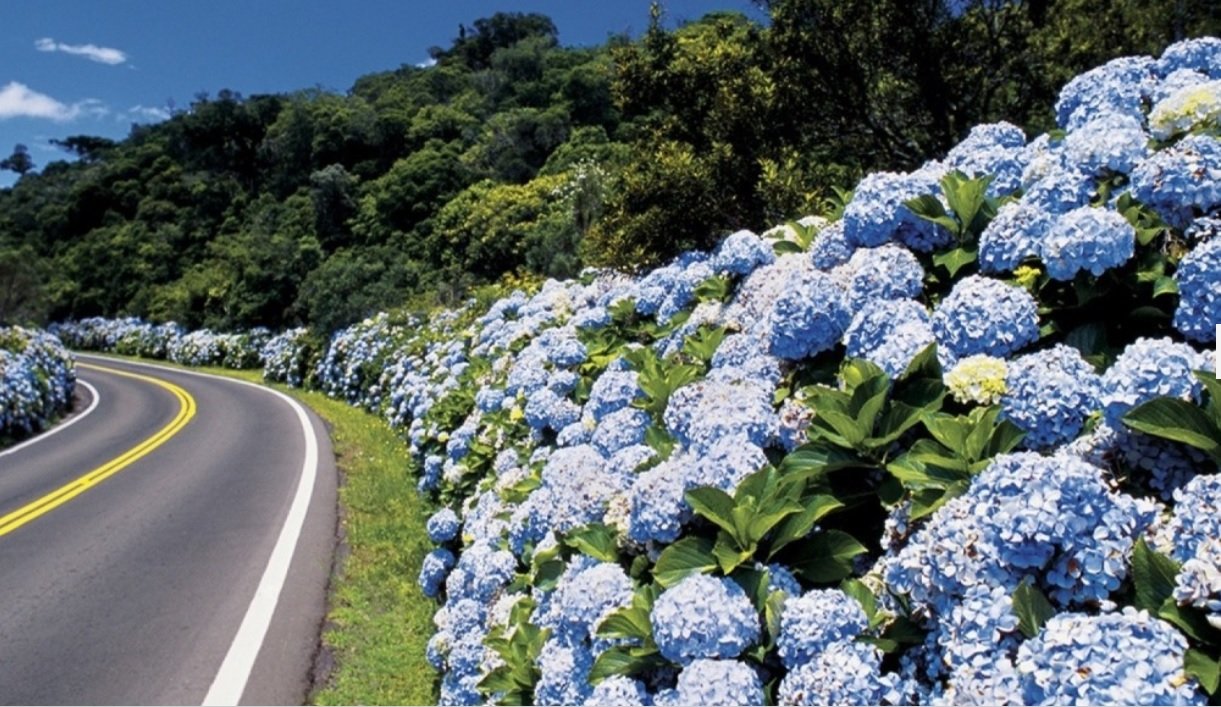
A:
x: 713, y: 504
x: 799, y: 525
x: 595, y: 540
x: 1204, y: 668
x: 785, y: 247
x: 764, y: 520
x: 1178, y: 420
x: 977, y: 440
x: 955, y: 260
x: 814, y: 459
x: 1165, y: 285
x: 867, y: 402
x: 929, y: 208
x: 547, y: 574
x: 630, y: 622
x: 949, y: 430
x: 1213, y: 386
x: 690, y: 555
x: 1032, y: 609
x: 826, y: 557
x: 847, y: 428
x: 620, y: 660
x: 856, y: 589
x: 1152, y: 577
x: 1191, y: 621
x: 1005, y: 438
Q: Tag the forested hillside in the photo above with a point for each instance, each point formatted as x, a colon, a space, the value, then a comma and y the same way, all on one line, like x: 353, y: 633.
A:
x: 514, y: 154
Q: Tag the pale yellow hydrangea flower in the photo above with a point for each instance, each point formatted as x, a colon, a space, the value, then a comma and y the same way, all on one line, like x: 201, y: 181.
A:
x: 1191, y: 107
x: 977, y: 379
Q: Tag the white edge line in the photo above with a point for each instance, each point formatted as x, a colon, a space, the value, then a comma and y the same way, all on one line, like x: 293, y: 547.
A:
x: 230, y: 681
x: 60, y: 427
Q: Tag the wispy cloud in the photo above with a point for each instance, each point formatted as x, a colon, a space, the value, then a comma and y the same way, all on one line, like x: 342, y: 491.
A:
x: 92, y: 52
x: 426, y: 63
x: 146, y: 113
x: 20, y: 101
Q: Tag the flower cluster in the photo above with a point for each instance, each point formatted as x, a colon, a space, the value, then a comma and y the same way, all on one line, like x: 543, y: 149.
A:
x: 561, y: 431
x: 37, y: 381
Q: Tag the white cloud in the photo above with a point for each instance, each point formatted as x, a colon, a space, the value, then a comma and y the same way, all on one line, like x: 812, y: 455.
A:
x: 426, y: 63
x: 147, y: 113
x: 92, y: 52
x: 20, y: 101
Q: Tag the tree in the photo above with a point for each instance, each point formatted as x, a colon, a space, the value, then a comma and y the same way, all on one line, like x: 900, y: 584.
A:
x: 87, y: 148
x: 22, y: 297
x: 19, y: 161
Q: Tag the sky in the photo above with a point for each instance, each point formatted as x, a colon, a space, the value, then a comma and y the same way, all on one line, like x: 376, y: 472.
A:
x: 77, y: 67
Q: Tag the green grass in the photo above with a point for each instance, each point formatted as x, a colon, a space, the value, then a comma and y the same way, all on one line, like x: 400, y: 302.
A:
x: 379, y: 621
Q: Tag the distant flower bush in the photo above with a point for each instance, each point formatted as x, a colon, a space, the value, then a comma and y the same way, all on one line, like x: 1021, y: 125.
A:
x: 37, y: 380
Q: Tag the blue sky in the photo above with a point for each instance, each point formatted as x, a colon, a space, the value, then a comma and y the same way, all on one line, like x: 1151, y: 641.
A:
x: 70, y: 67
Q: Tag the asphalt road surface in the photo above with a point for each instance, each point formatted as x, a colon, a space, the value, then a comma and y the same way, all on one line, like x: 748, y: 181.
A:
x: 170, y: 545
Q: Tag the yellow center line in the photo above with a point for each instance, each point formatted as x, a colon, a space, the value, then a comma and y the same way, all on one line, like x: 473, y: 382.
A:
x: 72, y: 489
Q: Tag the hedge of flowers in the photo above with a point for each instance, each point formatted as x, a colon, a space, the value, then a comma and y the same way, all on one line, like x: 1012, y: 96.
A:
x: 957, y: 442
x: 37, y: 380
x: 135, y: 337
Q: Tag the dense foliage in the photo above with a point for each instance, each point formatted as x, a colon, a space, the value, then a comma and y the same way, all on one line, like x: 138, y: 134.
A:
x: 37, y: 380
x: 957, y: 442
x: 514, y: 152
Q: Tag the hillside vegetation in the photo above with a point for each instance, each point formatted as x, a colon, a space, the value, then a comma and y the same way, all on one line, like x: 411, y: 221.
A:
x: 516, y: 153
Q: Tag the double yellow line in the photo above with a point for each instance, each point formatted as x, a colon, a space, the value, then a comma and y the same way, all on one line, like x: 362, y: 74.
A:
x: 72, y: 489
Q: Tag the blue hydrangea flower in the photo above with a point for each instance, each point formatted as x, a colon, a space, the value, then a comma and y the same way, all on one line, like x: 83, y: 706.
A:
x: 780, y: 578
x: 876, y: 214
x: 443, y: 526
x: 1014, y: 235
x: 481, y: 571
x: 613, y: 390
x: 845, y: 673
x: 1198, y: 582
x: 717, y: 682
x: 434, y: 569
x: 1178, y: 182
x: 563, y: 673
x: 585, y: 595
x: 887, y: 272
x: 980, y: 627
x: 1148, y: 369
x: 1053, y: 518
x: 1155, y: 464
x: 702, y: 413
x: 813, y: 621
x: 1117, y: 87
x: 742, y: 252
x: 619, y: 691
x: 831, y: 247
x: 982, y: 315
x: 1199, y: 280
x: 1201, y: 54
x: 1108, y: 143
x: 994, y: 149
x: 1094, y: 240
x: 547, y: 410
x: 704, y: 617
x: 809, y: 317
x: 1121, y: 658
x: 576, y: 486
x: 1050, y: 394
x: 1195, y: 517
x: 657, y: 509
x: 889, y: 333
x: 619, y: 430
x: 1060, y: 190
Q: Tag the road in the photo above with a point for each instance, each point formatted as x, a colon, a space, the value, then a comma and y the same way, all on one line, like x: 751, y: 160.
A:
x: 137, y: 542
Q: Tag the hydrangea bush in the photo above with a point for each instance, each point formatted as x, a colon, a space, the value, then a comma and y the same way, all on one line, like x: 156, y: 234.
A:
x: 37, y: 381
x: 959, y: 445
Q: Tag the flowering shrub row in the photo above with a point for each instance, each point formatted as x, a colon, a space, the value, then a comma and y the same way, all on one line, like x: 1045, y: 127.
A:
x: 957, y: 445
x: 37, y: 380
x: 135, y: 337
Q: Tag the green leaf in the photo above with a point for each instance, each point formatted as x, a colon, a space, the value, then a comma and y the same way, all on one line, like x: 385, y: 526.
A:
x: 1204, y: 668
x: 826, y: 557
x: 847, y: 428
x: 1032, y: 609
x: 799, y: 525
x: 713, y: 504
x: 786, y: 247
x: 1165, y: 285
x: 690, y: 555
x: 547, y: 574
x: 1005, y: 438
x: 957, y: 259
x: 623, y: 660
x: 595, y: 540
x: 729, y: 554
x: 815, y: 459
x: 763, y: 520
x: 949, y: 430
x: 1178, y: 420
x: 1213, y: 386
x: 929, y: 208
x: 1152, y: 577
x: 1191, y: 621
x: 660, y: 440
x: 856, y: 589
x: 629, y: 623
x: 965, y: 195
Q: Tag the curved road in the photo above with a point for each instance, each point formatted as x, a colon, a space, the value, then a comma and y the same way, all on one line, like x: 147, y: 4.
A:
x: 131, y: 586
